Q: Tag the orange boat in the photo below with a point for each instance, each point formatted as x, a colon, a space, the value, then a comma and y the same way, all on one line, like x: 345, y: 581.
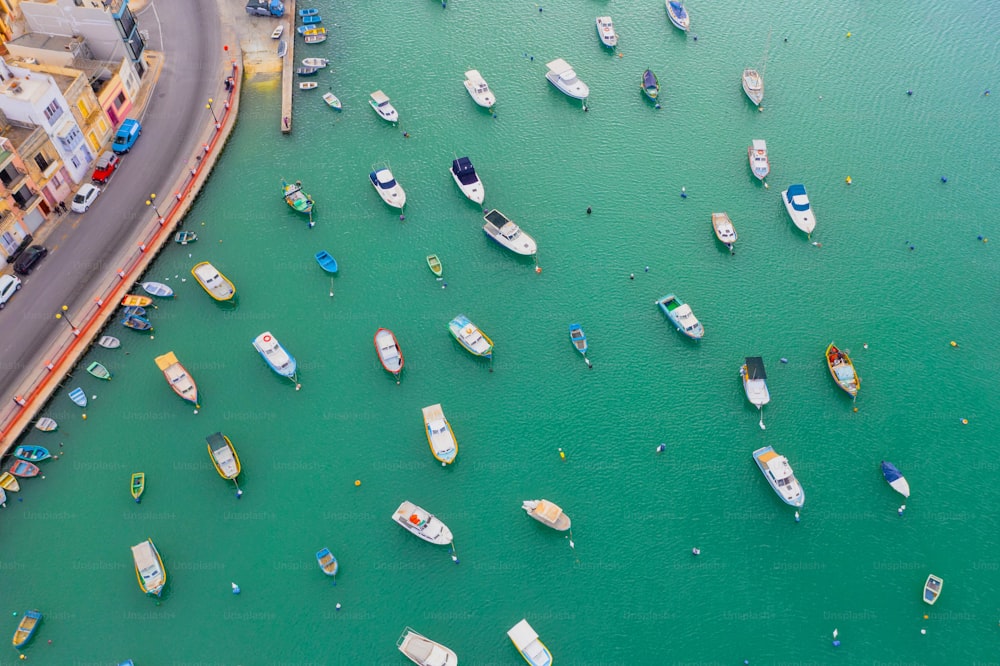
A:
x: 141, y: 301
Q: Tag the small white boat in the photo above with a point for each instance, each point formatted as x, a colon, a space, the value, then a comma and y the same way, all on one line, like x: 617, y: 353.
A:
x: 274, y: 354
x: 380, y: 102
x: 757, y: 154
x: 547, y: 513
x: 503, y: 230
x: 332, y: 101
x: 525, y: 639
x: 562, y: 76
x: 278, y: 31
x: 423, y: 651
x: 425, y: 525
x: 387, y: 187
x: 308, y: 85
x: 797, y: 204
x: 932, y: 589
x: 46, y: 424
x: 755, y: 384
x: 444, y: 446
x: 315, y: 62
x: 606, y: 31
x: 149, y: 568
x: 467, y: 179
x: 109, y: 342
x: 479, y: 89
x: 779, y: 475
x: 157, y: 289
x: 753, y: 85
x: 724, y: 229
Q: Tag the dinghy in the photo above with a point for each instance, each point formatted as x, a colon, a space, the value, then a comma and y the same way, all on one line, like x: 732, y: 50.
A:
x: 332, y: 101
x: 327, y: 562
x: 98, y: 370
x: 109, y: 342
x: 895, y: 479
x: 932, y: 589
x: 389, y: 353
x: 9, y: 483
x: 31, y: 453
x: 842, y: 370
x: 157, y: 289
x: 434, y: 264
x: 137, y: 323
x: 141, y: 301
x: 579, y: 340
x: 24, y: 469
x: 326, y: 261
x: 78, y: 396
x: 138, y: 486
x: 26, y: 628
x: 45, y: 424
x: 185, y: 237
x: 178, y: 378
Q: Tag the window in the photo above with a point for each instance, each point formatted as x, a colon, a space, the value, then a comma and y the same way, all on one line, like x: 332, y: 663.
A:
x: 56, y: 181
x: 42, y: 162
x: 76, y: 161
x: 52, y: 112
x: 119, y: 100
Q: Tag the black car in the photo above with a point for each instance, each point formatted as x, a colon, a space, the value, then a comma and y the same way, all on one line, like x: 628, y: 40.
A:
x: 26, y: 262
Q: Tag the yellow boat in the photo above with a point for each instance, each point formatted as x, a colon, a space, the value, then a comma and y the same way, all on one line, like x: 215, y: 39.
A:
x: 214, y: 282
x: 440, y: 436
x: 138, y: 486
x: 26, y: 628
x: 842, y: 370
x: 8, y: 482
x: 149, y: 569
x: 140, y: 301
x: 178, y: 378
x: 224, y: 457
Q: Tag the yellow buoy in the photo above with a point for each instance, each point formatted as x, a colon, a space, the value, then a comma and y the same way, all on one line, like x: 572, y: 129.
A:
x: 848, y: 180
x: 965, y: 421
x: 357, y: 482
x: 84, y: 417
x: 848, y: 35
x: 953, y: 343
x: 562, y: 454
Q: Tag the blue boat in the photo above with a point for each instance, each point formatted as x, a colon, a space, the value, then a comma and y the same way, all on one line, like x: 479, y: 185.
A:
x: 650, y: 84
x: 277, y: 358
x: 308, y: 12
x: 312, y: 18
x: 678, y: 15
x: 31, y: 453
x: 136, y: 310
x: 895, y: 479
x: 680, y: 315
x: 137, y: 323
x: 326, y: 261
x: 26, y: 628
x: 78, y: 396
x: 327, y: 562
x: 579, y: 340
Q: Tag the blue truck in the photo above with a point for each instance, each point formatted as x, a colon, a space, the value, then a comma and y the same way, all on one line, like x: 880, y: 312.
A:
x: 265, y: 8
x: 126, y: 136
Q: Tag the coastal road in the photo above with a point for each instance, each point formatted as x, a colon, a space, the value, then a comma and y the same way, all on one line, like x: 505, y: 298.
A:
x: 84, y: 249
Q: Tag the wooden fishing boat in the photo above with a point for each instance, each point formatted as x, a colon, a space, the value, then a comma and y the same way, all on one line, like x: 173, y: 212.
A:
x: 650, y: 85
x: 315, y: 39
x: 31, y: 453
x: 578, y: 338
x: 306, y: 71
x: 526, y: 640
x: 138, y: 485
x: 308, y: 85
x: 9, y: 483
x: 434, y: 264
x: 178, y: 378
x: 547, y: 513
x: 724, y: 229
x: 309, y: 31
x: 895, y: 479
x: 932, y: 589
x: 282, y: 48
x: 316, y: 62
x: 332, y: 101
x: 45, y: 424
x: 109, y: 342
x: 98, y: 370
x: 313, y: 19
x: 157, y: 289
x: 26, y: 628
x: 141, y: 301
x: 78, y: 396
x: 308, y: 12
x: 440, y: 436
x: 185, y: 237
x: 149, y: 570
x: 213, y: 281
x: 137, y: 323
x: 223, y: 455
x: 389, y: 353
x: 842, y: 370
x: 275, y: 355
x: 327, y: 562
x: 423, y: 651
x: 326, y: 261
x: 470, y: 337
x: 24, y: 469
x: 134, y: 310
x: 296, y: 198
x: 681, y: 316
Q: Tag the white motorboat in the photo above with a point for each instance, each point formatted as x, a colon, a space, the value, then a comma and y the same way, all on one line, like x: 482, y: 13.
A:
x: 387, y: 187
x: 755, y: 384
x: 724, y: 229
x: 779, y: 475
x: 525, y: 639
x: 423, y: 651
x: 316, y: 62
x: 467, y: 179
x: 606, y: 31
x: 380, y: 102
x: 678, y: 15
x: 276, y: 356
x: 562, y: 76
x: 503, y: 230
x: 425, y: 525
x: 479, y: 89
x: 757, y: 154
x: 547, y: 513
x: 149, y: 568
x: 753, y: 85
x: 797, y: 204
x: 440, y: 436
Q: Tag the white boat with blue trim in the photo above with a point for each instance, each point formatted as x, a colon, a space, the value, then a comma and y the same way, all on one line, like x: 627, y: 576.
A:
x: 275, y: 355
x: 799, y: 209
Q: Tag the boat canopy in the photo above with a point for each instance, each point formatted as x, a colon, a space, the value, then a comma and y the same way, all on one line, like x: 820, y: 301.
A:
x: 379, y: 97
x: 496, y: 218
x: 755, y: 367
x: 549, y: 511
x: 217, y: 441
x: 649, y: 79
x: 678, y: 10
x: 385, y: 179
x: 522, y: 635
x: 797, y: 197
x: 464, y: 171
x: 890, y: 472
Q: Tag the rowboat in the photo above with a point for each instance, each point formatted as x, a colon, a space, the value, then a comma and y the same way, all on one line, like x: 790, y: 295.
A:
x: 315, y: 62
x: 214, y: 282
x: 31, y: 453
x: 78, y: 396
x: 932, y: 589
x: 178, y: 378
x: 24, y: 469
x: 311, y: 32
x: 224, y: 457
x: 389, y: 353
x: 753, y: 85
x: 779, y: 475
x: 423, y: 651
x: 296, y: 198
x: 724, y: 230
x: 282, y: 48
x: 98, y: 370
x: 157, y: 289
x: 440, y: 436
x: 315, y: 39
x: 3, y: 498
x: 755, y: 384
x: 799, y: 209
x: 308, y: 85
x: 276, y: 34
x: 9, y: 483
x: 842, y: 370
x: 895, y: 479
x: 680, y: 315
x: 579, y: 340
x: 109, y: 342
x: 134, y: 310
x: 470, y: 337
x: 306, y: 71
x: 26, y: 628
x: 137, y: 323
x: 138, y: 486
x: 428, y: 527
x: 327, y: 562
x: 332, y: 101
x: 141, y: 301
x: 527, y: 643
x: 276, y: 356
x: 326, y: 261
x: 757, y: 154
x: 547, y: 513
x: 312, y: 20
x: 434, y: 264
x: 650, y: 85
x: 308, y: 12
x: 678, y: 15
x: 45, y: 424
x: 149, y: 569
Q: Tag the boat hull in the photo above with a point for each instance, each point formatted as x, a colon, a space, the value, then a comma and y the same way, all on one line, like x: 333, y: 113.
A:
x: 32, y: 453
x: 932, y: 589
x: 24, y: 469
x: 895, y: 479
x: 327, y: 562
x: 434, y: 264
x: 26, y: 628
x: 578, y: 338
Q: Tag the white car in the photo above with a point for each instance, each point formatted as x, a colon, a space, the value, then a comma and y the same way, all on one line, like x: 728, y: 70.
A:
x: 85, y: 196
x: 8, y: 285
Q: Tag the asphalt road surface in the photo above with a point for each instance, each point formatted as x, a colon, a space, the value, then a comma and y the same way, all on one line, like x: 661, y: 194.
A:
x: 83, y: 248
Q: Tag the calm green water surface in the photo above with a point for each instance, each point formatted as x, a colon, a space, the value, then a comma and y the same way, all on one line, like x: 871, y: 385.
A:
x: 628, y: 590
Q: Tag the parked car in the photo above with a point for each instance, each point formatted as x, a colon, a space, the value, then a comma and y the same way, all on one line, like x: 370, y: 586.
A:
x: 106, y: 165
x: 126, y: 135
x: 8, y: 285
x: 26, y: 262
x: 85, y: 196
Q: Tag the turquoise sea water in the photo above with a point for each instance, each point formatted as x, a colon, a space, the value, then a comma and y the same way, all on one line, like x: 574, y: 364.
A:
x: 765, y: 588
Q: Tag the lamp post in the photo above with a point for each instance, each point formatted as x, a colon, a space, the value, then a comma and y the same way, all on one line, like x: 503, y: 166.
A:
x: 209, y: 107
x: 151, y: 201
x: 64, y: 315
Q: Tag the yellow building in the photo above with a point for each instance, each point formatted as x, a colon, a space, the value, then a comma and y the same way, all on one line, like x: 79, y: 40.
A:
x: 22, y: 208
